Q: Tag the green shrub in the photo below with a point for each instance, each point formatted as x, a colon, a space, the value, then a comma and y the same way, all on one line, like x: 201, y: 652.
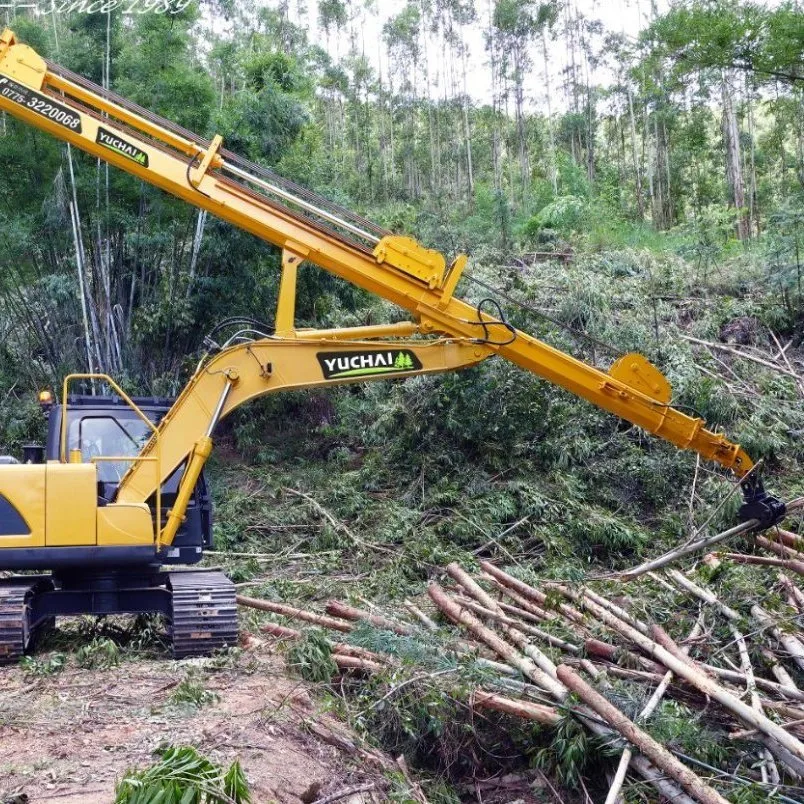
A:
x: 311, y: 657
x: 564, y: 215
x: 183, y: 776
x: 191, y: 693
x: 100, y: 654
x: 48, y: 665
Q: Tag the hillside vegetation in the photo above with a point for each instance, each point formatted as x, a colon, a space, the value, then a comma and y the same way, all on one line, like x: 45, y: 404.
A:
x: 659, y: 209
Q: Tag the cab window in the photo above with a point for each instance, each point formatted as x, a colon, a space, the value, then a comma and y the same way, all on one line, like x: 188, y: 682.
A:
x: 106, y: 436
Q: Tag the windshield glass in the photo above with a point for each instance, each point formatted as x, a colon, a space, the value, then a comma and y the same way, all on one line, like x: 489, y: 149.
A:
x: 118, y: 436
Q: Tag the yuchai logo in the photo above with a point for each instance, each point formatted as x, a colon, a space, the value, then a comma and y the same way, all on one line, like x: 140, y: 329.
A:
x: 115, y: 143
x: 336, y: 365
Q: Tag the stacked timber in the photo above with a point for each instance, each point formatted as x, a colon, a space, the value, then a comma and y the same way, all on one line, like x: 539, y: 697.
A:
x: 552, y: 650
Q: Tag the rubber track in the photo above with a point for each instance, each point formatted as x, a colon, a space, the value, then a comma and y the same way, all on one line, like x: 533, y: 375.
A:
x: 204, y: 613
x: 14, y: 634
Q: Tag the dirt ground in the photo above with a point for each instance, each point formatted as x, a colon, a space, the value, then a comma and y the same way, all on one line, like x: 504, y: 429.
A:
x: 67, y: 738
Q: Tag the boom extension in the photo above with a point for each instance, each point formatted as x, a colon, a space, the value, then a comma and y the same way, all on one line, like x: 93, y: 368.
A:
x: 250, y: 370
x: 308, y: 227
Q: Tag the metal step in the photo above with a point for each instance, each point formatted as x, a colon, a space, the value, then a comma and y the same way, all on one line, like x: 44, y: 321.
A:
x: 204, y: 617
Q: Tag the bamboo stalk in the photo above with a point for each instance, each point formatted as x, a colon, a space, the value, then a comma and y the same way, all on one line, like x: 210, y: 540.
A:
x: 745, y: 355
x: 662, y: 582
x: 482, y: 611
x: 793, y: 590
x: 336, y: 524
x: 730, y: 675
x: 650, y: 707
x: 741, y: 734
x: 794, y: 540
x: 529, y: 592
x: 782, y: 676
x: 787, y: 541
x: 795, y: 558
x: 294, y: 613
x: 345, y: 612
x: 733, y: 616
x: 616, y: 610
x: 356, y: 663
x: 547, y: 715
x: 421, y: 616
x: 524, y: 608
x: 622, y: 672
x: 281, y: 631
x: 290, y: 633
x: 763, y: 683
x: 704, y: 594
x: 522, y: 613
x: 614, y: 654
x: 768, y: 770
x: 343, y: 649
x: 340, y: 648
x: 741, y: 558
x: 789, y: 642
x: 687, y: 549
x: 663, y: 639
x: 655, y: 752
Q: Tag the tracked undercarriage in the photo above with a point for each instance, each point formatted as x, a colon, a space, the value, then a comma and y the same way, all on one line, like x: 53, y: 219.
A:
x: 19, y: 625
x: 199, y: 606
x: 204, y: 613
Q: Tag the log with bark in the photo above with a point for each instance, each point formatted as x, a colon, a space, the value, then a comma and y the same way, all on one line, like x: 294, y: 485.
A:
x: 654, y: 751
x: 294, y: 613
x: 345, y: 612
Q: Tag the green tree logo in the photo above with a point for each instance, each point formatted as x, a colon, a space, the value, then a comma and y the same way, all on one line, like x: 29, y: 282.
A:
x: 403, y: 362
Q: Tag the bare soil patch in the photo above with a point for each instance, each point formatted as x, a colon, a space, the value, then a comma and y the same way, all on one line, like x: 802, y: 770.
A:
x: 68, y: 738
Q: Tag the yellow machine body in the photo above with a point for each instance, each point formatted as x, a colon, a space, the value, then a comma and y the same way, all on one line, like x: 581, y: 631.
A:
x: 56, y: 505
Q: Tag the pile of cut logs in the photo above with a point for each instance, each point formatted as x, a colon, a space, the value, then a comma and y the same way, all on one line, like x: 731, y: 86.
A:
x: 540, y: 645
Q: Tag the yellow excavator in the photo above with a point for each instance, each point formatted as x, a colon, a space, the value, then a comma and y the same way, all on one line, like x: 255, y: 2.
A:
x: 118, y: 497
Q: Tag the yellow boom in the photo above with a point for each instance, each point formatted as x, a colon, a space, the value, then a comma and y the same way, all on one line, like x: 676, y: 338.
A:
x: 309, y: 228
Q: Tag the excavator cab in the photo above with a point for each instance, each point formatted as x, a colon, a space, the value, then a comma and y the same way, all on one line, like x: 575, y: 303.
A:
x: 62, y: 515
x: 105, y: 432
x: 104, y: 427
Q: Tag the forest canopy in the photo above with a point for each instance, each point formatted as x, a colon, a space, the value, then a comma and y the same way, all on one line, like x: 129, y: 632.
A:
x: 695, y: 127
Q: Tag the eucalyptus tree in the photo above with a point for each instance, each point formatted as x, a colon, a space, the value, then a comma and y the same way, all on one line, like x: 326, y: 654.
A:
x: 402, y: 37
x: 715, y: 41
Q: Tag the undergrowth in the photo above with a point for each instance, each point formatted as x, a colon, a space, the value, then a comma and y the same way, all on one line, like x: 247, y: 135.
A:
x: 191, y: 693
x: 366, y: 493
